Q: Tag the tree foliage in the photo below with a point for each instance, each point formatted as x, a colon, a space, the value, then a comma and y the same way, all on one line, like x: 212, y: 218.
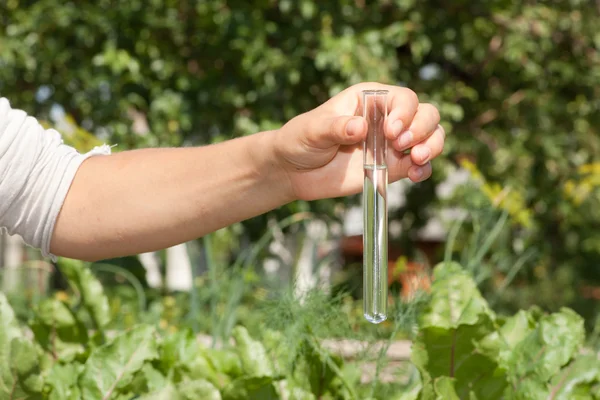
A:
x: 515, y: 81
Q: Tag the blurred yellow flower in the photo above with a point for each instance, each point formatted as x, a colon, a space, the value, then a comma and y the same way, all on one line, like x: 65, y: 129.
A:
x: 505, y: 198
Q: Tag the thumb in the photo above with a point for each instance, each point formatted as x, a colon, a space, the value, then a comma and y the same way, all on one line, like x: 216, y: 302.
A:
x: 344, y: 130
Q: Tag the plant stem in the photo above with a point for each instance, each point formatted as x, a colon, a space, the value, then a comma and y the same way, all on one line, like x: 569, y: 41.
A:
x: 212, y: 278
x: 313, y: 342
x: 137, y: 286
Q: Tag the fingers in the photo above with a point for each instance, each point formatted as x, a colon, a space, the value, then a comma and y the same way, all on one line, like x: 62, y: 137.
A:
x: 324, y: 133
x: 421, y: 127
x: 418, y: 173
x: 417, y: 165
x: 430, y: 148
x: 401, y: 166
x: 398, y: 165
x: 407, y: 122
x: 404, y: 113
x: 403, y: 106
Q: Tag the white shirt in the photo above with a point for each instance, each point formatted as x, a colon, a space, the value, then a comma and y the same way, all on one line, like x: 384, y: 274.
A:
x: 36, y: 172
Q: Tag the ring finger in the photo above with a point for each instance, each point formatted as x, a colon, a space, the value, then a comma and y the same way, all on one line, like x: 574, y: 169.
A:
x: 430, y: 148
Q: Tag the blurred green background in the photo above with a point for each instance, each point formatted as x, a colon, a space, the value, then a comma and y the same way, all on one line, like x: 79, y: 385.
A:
x: 516, y: 83
x: 515, y: 197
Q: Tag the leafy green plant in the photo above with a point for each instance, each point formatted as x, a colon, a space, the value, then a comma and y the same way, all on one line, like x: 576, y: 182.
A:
x: 511, y: 271
x: 73, y: 355
x: 462, y: 349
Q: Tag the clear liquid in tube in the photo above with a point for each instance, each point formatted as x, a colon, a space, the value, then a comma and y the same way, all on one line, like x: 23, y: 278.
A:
x: 375, y: 242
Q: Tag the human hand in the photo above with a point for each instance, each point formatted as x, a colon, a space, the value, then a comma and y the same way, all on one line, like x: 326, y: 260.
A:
x: 321, y: 150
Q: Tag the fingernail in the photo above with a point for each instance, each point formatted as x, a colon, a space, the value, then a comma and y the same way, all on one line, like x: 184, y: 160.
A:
x: 417, y: 174
x: 405, y: 140
x: 353, y: 126
x: 397, y: 128
x: 423, y: 154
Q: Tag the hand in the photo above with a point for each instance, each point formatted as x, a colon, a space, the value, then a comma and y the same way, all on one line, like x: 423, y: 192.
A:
x: 321, y: 150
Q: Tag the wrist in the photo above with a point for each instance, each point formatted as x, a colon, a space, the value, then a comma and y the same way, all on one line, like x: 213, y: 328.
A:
x: 269, y: 168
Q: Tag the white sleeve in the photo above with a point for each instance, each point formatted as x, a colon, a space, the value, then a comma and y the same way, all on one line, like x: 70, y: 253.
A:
x: 36, y: 172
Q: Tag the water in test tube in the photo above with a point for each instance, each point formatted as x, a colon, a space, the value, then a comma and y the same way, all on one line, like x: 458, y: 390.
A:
x: 375, y: 221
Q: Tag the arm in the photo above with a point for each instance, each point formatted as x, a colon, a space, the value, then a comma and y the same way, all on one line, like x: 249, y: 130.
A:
x: 100, y: 207
x: 149, y: 199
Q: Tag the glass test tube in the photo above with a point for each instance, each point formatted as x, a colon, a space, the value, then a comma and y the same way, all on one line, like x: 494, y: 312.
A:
x: 375, y: 219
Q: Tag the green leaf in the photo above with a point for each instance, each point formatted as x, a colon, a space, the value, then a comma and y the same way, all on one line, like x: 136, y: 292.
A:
x: 251, y: 387
x: 25, y: 369
x: 313, y: 369
x: 147, y: 380
x: 8, y: 331
x: 253, y: 355
x: 61, y: 381
x: 190, y: 390
x: 542, y: 354
x: 455, y: 299
x: 348, y: 376
x: 226, y: 361
x: 112, y: 366
x: 58, y: 331
x: 183, y: 358
x: 20, y: 375
x: 453, y: 353
x: 21, y: 378
x: 8, y: 322
x: 576, y: 377
x: 293, y: 392
x: 455, y: 320
x: 90, y: 289
x: 410, y: 392
x: 499, y: 345
x: 444, y: 389
x: 154, y: 379
x: 171, y: 349
x: 198, y: 389
x: 166, y: 393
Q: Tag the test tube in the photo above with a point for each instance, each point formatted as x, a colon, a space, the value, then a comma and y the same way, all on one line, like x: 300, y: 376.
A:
x: 375, y: 219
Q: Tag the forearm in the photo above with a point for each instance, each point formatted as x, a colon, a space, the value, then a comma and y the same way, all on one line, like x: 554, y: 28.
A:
x: 145, y: 200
